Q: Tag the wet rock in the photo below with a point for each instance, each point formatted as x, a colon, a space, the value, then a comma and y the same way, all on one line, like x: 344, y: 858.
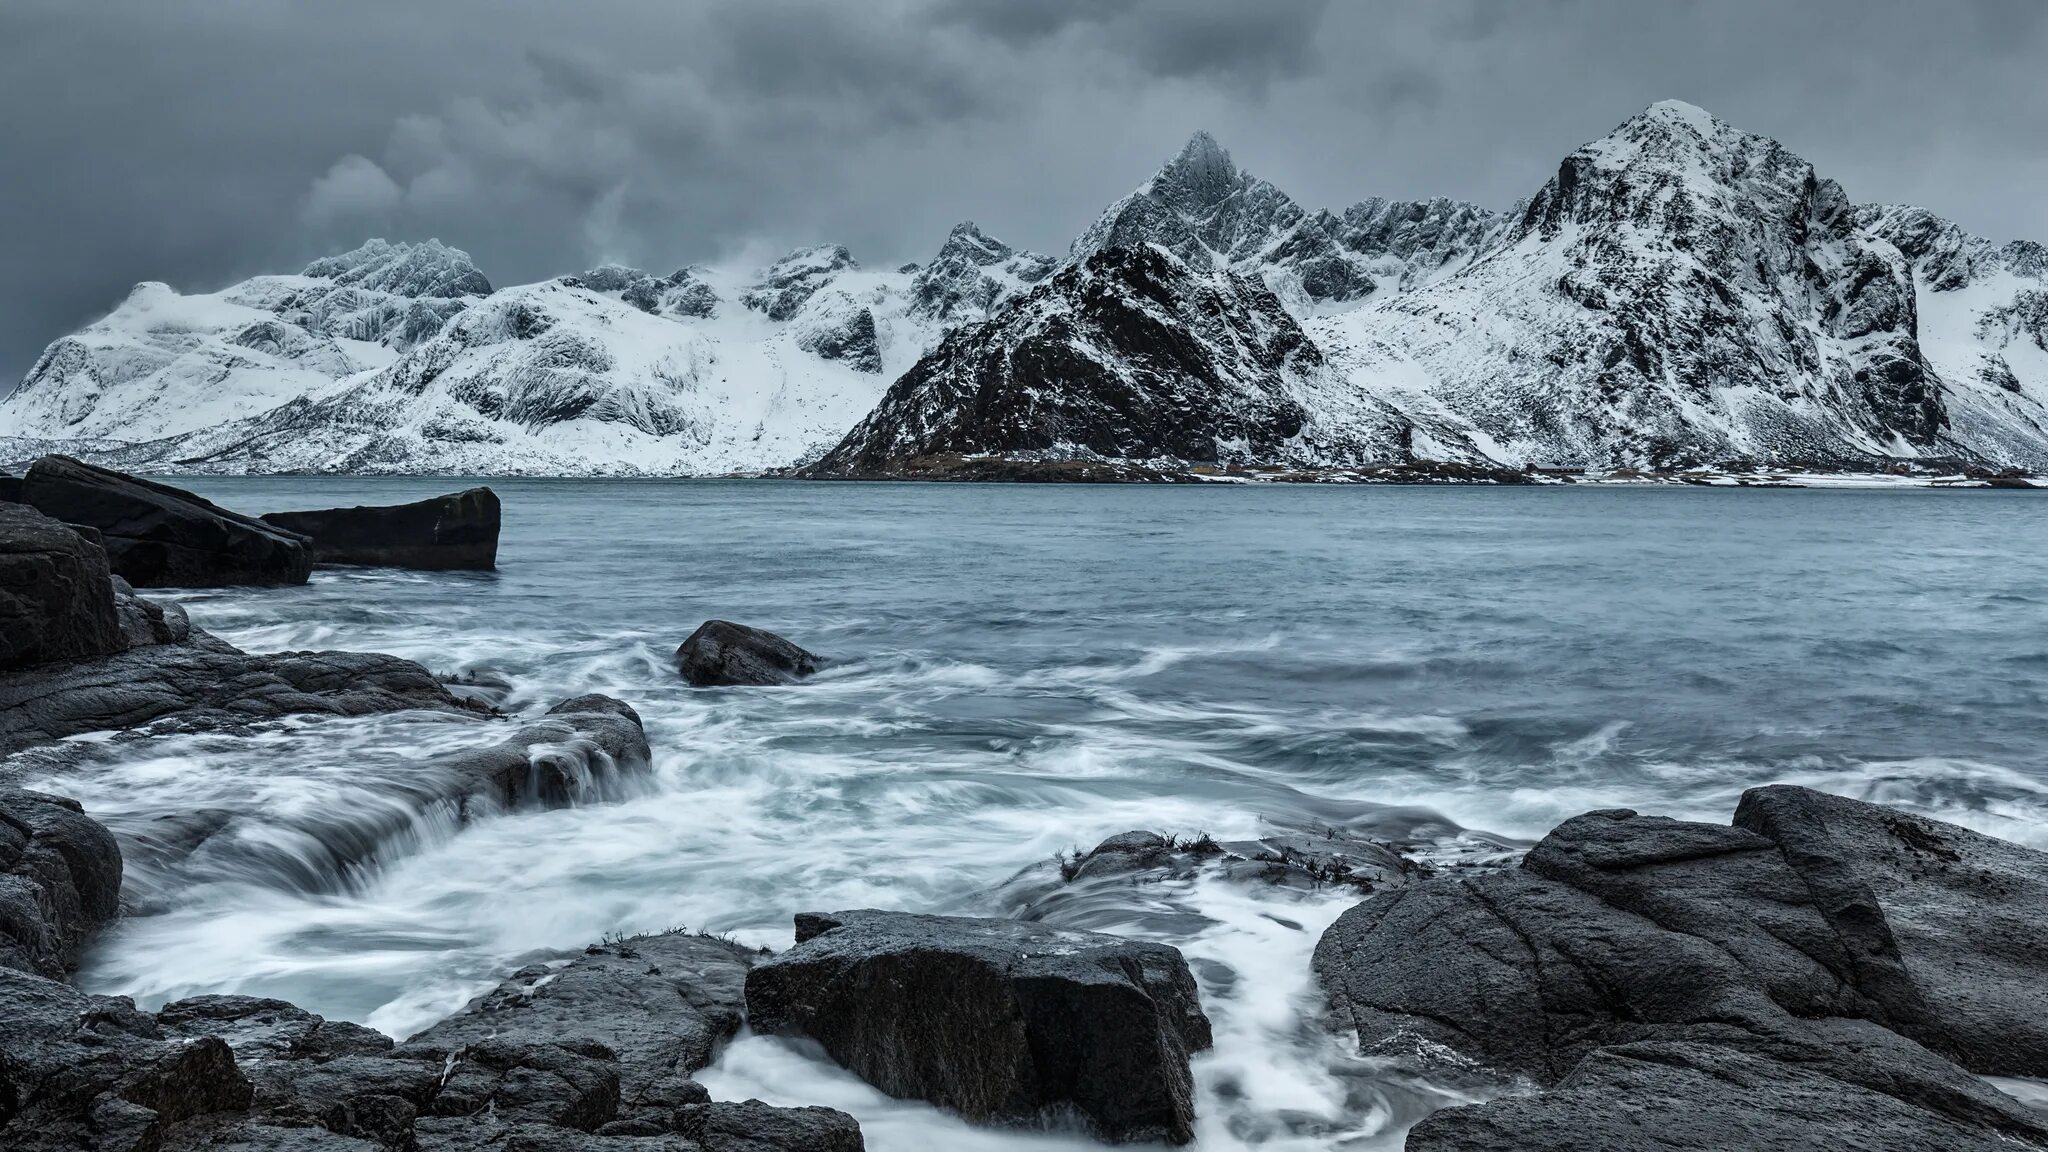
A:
x: 55, y: 599
x: 456, y: 531
x: 157, y: 536
x: 1727, y: 1099
x: 206, y: 683
x: 720, y: 653
x: 1644, y: 965
x: 1003, y: 1021
x: 584, y: 750
x: 60, y: 880
x: 80, y: 1071
x: 662, y: 1004
x: 1944, y: 922
x: 1126, y: 852
x: 751, y: 1126
x: 144, y: 622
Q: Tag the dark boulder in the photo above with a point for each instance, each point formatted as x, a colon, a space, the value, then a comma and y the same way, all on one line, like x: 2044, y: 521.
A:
x: 205, y: 683
x: 1676, y: 959
x: 456, y: 531
x: 10, y: 488
x: 1003, y: 1021
x: 662, y: 1004
x: 60, y: 880
x: 159, y: 536
x: 720, y: 654
x: 1946, y: 923
x: 56, y: 602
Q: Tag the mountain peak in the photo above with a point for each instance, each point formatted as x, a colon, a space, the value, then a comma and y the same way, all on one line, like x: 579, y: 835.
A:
x: 1679, y: 112
x: 429, y: 268
x: 1202, y: 174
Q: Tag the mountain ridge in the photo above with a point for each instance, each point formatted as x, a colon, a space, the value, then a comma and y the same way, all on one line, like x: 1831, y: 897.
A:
x: 1678, y: 293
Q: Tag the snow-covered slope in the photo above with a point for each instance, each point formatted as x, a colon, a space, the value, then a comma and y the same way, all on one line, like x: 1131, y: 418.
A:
x: 163, y: 365
x: 1983, y: 322
x: 610, y: 371
x: 1130, y: 354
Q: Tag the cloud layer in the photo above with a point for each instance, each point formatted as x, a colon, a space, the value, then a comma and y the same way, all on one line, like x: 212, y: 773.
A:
x: 197, y: 141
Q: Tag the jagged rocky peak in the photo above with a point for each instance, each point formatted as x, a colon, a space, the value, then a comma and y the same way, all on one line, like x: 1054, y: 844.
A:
x: 1211, y: 213
x: 680, y: 293
x: 794, y: 279
x: 972, y: 273
x: 1129, y: 354
x: 428, y: 269
x: 1682, y: 292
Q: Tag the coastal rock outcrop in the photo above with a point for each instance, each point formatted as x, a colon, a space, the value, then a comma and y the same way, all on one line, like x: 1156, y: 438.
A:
x: 1003, y: 1021
x: 56, y: 602
x: 60, y: 880
x: 456, y: 531
x: 1847, y: 967
x: 723, y: 654
x: 159, y: 536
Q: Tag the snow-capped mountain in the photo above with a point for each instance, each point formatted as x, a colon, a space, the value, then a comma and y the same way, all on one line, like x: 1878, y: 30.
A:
x: 1679, y: 293
x: 1207, y: 211
x: 399, y: 358
x: 1128, y: 353
x: 163, y: 365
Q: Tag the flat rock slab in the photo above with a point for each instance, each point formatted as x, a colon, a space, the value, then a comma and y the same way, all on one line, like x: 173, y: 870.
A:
x: 158, y: 536
x: 723, y: 654
x: 456, y: 531
x: 1003, y: 1021
x: 207, y: 683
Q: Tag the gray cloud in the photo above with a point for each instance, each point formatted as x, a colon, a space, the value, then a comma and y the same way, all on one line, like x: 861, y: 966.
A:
x: 199, y: 141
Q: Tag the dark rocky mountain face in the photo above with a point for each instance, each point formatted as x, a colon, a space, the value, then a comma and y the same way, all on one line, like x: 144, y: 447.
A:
x: 1130, y: 353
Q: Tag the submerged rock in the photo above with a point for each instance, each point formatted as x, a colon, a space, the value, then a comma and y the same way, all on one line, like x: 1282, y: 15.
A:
x: 55, y: 599
x: 720, y: 654
x: 158, y: 536
x: 1001, y: 1020
x: 1832, y: 961
x: 456, y: 531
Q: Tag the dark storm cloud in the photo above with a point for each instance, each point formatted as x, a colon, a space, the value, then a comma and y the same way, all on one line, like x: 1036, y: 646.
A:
x: 198, y: 141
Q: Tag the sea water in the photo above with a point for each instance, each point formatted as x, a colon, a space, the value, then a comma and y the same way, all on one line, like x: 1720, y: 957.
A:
x: 1017, y: 671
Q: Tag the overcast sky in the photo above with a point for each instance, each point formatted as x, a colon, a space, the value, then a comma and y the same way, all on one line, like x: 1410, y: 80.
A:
x: 200, y: 141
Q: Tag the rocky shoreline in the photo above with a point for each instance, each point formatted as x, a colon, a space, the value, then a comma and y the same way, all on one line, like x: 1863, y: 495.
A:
x: 1818, y: 973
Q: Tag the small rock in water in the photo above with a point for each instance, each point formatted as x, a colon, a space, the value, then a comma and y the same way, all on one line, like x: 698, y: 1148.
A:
x: 1005, y: 1021
x: 456, y: 531
x: 724, y: 654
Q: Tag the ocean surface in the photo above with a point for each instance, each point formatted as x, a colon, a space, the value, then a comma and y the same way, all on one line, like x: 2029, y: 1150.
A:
x: 1016, y: 671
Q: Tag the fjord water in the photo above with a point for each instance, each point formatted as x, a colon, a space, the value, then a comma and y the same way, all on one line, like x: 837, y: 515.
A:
x: 1018, y: 670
